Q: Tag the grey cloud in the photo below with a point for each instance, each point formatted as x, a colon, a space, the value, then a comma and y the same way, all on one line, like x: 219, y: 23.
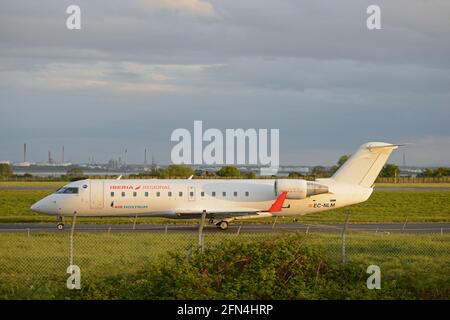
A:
x: 310, y: 68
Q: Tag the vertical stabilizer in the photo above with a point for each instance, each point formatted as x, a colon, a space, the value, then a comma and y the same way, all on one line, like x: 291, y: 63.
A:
x: 363, y: 167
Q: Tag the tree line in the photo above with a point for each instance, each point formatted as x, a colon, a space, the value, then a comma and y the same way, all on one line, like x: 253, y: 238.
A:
x: 183, y: 171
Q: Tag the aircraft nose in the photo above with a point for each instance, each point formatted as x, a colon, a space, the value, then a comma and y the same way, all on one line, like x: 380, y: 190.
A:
x: 42, y: 206
x: 37, y: 206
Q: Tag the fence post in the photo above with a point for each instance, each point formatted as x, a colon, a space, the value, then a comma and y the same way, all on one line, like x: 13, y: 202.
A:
x: 344, y: 230
x: 239, y: 230
x: 201, y: 239
x: 72, y: 230
x: 134, y: 222
x: 28, y: 232
x: 307, y: 230
x: 165, y: 229
x: 273, y: 225
x: 404, y: 225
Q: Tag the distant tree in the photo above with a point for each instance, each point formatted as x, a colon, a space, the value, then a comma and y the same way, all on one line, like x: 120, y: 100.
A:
x: 342, y: 160
x: 177, y: 170
x: 442, y: 172
x: 199, y: 173
x: 426, y: 173
x: 228, y: 171
x: 389, y: 170
x: 438, y: 172
x: 294, y: 174
x: 339, y: 164
x: 74, y: 172
x: 319, y: 171
x: 249, y: 175
x: 5, y: 170
x: 144, y: 174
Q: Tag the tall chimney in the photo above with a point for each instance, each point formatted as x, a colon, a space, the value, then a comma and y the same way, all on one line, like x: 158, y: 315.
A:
x: 24, y: 152
x: 62, y: 157
x: 145, y: 156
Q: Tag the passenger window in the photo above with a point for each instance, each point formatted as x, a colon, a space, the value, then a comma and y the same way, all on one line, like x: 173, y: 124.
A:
x: 202, y: 194
x: 169, y: 194
x: 224, y: 194
x: 213, y: 193
x: 146, y: 194
x: 191, y: 194
x: 158, y: 194
x: 134, y: 194
x: 246, y: 193
x: 123, y: 194
x: 112, y: 194
x: 180, y: 194
x: 235, y: 194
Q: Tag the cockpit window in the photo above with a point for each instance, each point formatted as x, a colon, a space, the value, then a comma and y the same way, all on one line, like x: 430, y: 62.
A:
x: 68, y: 190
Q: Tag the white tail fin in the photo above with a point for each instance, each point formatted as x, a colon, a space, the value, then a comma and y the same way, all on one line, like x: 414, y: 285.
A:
x: 363, y: 167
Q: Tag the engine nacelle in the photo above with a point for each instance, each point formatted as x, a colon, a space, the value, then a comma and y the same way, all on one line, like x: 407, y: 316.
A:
x: 298, y: 188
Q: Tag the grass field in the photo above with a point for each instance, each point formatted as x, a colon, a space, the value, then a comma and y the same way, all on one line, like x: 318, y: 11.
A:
x: 132, y: 265
x: 383, y: 206
x: 149, y: 265
x: 49, y: 184
x: 414, y: 185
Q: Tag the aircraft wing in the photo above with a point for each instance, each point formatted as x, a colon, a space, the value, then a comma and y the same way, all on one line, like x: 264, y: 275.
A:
x: 235, y: 212
x: 218, y: 213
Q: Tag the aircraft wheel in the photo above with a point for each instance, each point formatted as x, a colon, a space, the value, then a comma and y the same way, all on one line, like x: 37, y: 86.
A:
x: 222, y: 225
x: 60, y: 226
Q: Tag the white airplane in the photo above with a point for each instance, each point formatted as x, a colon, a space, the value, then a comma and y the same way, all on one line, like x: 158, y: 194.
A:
x: 221, y: 201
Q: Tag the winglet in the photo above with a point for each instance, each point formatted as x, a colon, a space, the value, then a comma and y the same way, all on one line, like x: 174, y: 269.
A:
x: 278, y: 204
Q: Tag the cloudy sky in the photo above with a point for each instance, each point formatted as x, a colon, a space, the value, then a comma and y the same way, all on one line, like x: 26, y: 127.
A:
x: 139, y: 69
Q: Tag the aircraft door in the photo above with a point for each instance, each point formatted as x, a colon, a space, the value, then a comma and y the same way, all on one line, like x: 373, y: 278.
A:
x: 96, y: 194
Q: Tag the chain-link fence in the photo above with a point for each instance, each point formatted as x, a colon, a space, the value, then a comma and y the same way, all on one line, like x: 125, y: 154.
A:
x: 33, y: 264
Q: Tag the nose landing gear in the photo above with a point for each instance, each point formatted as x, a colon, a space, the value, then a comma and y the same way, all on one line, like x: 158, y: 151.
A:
x: 60, y: 223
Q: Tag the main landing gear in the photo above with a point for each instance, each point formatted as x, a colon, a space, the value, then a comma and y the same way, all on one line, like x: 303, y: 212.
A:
x: 222, y: 225
x: 60, y: 223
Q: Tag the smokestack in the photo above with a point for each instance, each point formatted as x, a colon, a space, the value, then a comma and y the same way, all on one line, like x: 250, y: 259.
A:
x: 49, y: 157
x: 24, y: 152
x: 62, y: 157
x: 145, y: 156
x: 126, y: 161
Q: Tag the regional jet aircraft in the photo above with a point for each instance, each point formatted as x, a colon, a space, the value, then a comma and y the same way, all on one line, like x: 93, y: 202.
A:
x: 220, y: 201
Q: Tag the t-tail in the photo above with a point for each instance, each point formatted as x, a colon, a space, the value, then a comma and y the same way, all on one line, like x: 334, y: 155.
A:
x: 363, y: 167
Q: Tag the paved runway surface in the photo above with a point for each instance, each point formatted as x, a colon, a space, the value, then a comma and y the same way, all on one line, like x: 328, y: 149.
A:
x: 247, y: 228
